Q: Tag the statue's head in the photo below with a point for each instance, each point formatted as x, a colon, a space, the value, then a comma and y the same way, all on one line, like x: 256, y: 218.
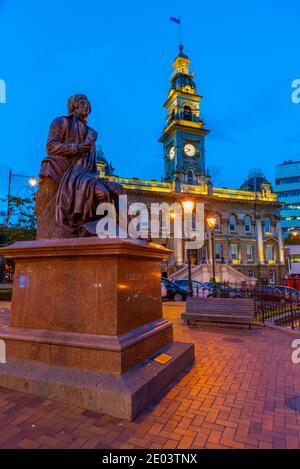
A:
x: 79, y: 105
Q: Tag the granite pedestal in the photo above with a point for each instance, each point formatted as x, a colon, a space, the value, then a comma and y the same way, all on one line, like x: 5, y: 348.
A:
x: 86, y: 324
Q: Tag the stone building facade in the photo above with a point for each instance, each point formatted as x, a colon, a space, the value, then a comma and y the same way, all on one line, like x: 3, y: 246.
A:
x: 248, y: 236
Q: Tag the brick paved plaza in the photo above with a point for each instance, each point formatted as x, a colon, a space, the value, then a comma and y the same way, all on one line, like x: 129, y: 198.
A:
x: 233, y: 397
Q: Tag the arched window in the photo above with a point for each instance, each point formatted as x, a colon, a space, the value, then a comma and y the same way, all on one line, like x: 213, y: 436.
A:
x: 267, y: 225
x: 173, y: 114
x: 247, y: 224
x: 232, y: 223
x: 190, y: 177
x: 187, y: 113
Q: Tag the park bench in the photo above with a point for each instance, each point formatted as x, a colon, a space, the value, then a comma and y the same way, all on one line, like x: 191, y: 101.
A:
x: 219, y: 310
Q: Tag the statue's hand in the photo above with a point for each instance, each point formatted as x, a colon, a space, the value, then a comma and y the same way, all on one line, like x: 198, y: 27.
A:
x: 84, y: 147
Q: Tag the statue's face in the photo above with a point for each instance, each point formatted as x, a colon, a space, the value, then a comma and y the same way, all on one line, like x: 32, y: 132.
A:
x: 83, y: 109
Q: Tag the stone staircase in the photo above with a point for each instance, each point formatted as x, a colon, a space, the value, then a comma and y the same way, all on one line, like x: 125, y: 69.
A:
x: 203, y: 273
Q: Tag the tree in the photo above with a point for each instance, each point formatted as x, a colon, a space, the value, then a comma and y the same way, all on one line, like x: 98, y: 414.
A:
x: 22, y: 220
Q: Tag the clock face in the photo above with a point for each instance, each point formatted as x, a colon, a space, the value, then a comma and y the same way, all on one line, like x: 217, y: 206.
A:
x: 172, y: 152
x: 189, y: 149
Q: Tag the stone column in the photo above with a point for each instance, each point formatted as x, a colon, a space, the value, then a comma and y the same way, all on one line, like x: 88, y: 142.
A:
x: 260, y: 244
x: 280, y: 243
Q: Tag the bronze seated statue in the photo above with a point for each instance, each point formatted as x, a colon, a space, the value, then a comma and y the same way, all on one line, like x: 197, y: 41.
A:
x: 69, y: 185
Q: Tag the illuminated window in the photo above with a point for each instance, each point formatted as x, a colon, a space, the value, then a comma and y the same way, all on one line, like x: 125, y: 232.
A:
x: 291, y: 207
x: 232, y: 223
x: 249, y: 251
x: 233, y: 251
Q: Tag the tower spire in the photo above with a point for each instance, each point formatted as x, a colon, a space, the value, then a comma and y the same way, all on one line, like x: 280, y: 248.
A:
x: 184, y: 134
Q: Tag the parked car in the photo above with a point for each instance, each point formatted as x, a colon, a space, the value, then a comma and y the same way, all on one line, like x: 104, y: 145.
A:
x: 289, y: 293
x: 267, y: 293
x: 199, y: 289
x: 224, y: 291
x: 171, y: 291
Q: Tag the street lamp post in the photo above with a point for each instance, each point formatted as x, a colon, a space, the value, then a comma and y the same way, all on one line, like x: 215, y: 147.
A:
x: 188, y: 206
x: 190, y: 284
x: 32, y: 182
x: 211, y: 222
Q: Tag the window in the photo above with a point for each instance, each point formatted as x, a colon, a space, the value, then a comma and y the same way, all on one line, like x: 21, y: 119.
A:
x: 218, y: 252
x: 289, y: 193
x: 295, y: 206
x: 249, y: 251
x: 144, y: 223
x: 233, y: 251
x: 272, y: 277
x: 267, y: 225
x: 248, y: 226
x: 250, y: 273
x: 187, y: 113
x: 290, y: 180
x: 232, y: 223
x: 295, y: 258
x: 290, y: 218
x: 190, y: 177
x: 269, y: 252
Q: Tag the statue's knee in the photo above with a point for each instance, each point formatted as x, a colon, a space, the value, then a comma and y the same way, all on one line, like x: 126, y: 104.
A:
x: 102, y: 194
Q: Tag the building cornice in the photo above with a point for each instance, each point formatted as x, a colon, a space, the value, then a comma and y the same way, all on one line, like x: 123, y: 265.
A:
x: 200, y: 197
x: 196, y: 128
x: 176, y: 94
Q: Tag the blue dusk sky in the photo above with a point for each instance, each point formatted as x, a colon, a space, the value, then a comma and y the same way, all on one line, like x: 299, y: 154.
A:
x: 245, y: 56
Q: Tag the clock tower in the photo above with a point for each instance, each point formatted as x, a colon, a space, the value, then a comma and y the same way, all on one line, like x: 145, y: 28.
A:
x: 183, y: 137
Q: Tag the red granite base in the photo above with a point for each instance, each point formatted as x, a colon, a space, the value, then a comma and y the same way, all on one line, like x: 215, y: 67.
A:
x: 89, y: 306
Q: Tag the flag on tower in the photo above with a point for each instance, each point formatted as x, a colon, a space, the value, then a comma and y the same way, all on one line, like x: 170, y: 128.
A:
x: 176, y: 20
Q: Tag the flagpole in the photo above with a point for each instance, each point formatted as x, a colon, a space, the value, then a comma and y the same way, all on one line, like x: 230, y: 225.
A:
x: 178, y: 21
x: 180, y: 30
